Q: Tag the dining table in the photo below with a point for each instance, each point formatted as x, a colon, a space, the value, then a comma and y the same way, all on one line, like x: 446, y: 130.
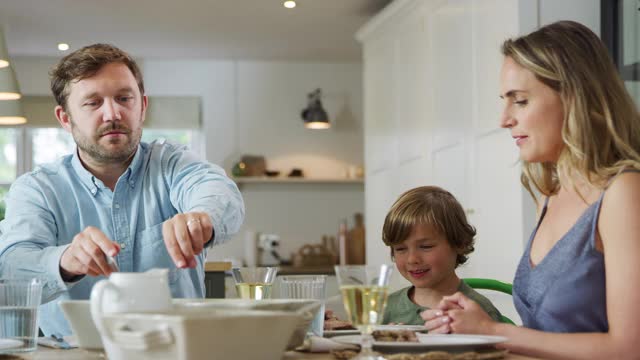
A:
x: 44, y: 353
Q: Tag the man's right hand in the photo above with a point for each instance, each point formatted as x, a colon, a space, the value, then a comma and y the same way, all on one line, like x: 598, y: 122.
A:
x: 86, y: 254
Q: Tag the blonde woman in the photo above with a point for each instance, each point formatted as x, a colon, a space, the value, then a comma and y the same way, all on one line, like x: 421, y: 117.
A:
x: 578, y: 131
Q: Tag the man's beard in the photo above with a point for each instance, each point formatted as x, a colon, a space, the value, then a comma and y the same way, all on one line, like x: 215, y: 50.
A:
x: 102, y: 155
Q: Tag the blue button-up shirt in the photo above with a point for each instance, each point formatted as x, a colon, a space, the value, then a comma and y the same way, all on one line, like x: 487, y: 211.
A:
x: 47, y: 207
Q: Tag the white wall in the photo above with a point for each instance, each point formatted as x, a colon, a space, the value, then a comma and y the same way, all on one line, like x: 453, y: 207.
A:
x: 253, y: 107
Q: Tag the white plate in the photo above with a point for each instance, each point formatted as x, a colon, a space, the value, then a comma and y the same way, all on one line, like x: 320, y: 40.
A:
x: 451, y: 342
x: 332, y: 333
x: 8, y: 344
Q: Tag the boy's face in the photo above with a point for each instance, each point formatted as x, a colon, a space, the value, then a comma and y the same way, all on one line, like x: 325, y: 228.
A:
x: 425, y: 258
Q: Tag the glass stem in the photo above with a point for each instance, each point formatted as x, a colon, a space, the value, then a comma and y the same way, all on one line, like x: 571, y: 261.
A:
x: 367, y: 343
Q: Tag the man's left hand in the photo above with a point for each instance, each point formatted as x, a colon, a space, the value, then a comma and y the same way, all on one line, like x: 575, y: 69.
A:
x: 185, y: 235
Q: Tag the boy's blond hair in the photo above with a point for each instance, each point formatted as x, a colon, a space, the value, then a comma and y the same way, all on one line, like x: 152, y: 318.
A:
x: 429, y: 205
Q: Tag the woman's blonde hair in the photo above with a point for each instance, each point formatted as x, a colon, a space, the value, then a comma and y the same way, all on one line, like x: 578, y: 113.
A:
x: 601, y: 129
x: 430, y: 205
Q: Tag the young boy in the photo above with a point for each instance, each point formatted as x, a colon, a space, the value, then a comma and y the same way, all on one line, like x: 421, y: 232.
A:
x: 429, y: 237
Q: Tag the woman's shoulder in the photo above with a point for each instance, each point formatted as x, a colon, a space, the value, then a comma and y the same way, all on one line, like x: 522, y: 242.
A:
x: 625, y: 182
x: 622, y: 193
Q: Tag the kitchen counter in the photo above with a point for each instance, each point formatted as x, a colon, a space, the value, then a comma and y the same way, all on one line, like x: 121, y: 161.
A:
x: 306, y: 270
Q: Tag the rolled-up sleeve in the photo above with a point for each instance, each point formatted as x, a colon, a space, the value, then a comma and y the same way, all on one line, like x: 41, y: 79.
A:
x: 196, y: 185
x: 28, y: 246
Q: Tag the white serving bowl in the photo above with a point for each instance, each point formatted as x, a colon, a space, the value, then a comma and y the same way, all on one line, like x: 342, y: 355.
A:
x: 199, y: 333
x: 305, y: 308
x: 78, y: 313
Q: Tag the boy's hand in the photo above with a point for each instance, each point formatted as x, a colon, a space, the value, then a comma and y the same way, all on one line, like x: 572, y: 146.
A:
x: 462, y: 315
x: 436, y: 321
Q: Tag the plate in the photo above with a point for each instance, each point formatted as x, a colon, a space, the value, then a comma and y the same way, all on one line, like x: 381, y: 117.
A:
x: 332, y: 333
x: 8, y: 344
x: 450, y: 342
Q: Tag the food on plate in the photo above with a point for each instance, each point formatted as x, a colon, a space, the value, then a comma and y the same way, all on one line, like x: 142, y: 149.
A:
x: 331, y: 322
x: 395, y: 335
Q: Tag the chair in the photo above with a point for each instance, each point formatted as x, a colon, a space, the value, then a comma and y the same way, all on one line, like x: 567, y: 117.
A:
x: 491, y: 284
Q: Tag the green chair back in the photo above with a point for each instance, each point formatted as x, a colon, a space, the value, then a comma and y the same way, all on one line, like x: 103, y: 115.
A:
x: 491, y: 284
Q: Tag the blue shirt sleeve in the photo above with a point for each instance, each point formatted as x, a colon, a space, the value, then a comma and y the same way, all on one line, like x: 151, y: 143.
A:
x: 196, y: 185
x: 28, y: 245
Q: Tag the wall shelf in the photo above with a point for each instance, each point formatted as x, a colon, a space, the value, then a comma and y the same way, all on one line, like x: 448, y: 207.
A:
x: 294, y: 180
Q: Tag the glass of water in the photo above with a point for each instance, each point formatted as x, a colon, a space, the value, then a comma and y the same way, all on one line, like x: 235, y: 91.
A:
x: 19, y: 300
x: 307, y: 287
x: 364, y: 291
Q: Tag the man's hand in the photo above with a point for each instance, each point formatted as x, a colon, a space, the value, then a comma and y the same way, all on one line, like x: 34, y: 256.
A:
x: 185, y: 235
x: 86, y: 254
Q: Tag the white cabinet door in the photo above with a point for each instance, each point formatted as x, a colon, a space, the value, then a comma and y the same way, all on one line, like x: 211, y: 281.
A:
x: 380, y: 138
x: 450, y: 59
x: 413, y: 93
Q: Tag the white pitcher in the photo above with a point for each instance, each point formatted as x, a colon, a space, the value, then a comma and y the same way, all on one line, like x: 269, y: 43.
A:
x: 128, y: 292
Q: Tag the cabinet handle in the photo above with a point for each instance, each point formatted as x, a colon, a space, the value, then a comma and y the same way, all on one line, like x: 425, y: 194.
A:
x: 469, y: 211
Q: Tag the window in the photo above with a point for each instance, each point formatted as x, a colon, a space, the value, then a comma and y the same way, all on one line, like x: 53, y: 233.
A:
x: 620, y: 23
x: 42, y: 140
x: 8, y: 155
x: 49, y: 144
x: 8, y: 162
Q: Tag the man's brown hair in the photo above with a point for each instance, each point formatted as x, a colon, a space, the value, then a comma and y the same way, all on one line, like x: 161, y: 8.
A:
x: 85, y: 63
x: 430, y: 205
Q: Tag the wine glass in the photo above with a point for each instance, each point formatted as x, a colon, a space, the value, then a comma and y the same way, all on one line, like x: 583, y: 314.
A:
x: 254, y: 282
x: 364, y: 291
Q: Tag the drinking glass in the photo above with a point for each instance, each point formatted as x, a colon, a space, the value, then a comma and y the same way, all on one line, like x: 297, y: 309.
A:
x: 254, y: 282
x: 364, y: 291
x: 19, y: 300
x: 307, y: 287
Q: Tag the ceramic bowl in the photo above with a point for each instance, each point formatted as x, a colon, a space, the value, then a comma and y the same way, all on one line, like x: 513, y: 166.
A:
x: 78, y: 313
x: 199, y: 333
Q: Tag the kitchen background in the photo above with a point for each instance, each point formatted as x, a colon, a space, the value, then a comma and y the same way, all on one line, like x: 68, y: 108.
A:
x: 416, y: 103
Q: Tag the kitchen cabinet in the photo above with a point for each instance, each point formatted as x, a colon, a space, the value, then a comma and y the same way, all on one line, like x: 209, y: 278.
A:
x: 214, y: 278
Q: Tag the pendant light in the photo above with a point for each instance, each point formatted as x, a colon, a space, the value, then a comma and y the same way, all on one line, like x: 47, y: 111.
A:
x: 314, y: 116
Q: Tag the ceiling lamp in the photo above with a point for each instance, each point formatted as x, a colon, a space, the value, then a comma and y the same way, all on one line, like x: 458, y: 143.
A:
x: 4, y: 54
x: 314, y: 116
x: 289, y: 4
x: 11, y: 113
x: 8, y: 85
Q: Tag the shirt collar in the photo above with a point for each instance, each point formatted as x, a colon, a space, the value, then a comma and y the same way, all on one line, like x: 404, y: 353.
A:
x: 94, y: 184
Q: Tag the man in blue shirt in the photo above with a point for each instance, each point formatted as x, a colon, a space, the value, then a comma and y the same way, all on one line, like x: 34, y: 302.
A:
x: 144, y: 205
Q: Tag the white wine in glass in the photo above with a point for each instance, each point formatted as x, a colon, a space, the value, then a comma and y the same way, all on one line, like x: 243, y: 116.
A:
x: 364, y: 291
x: 256, y: 291
x: 254, y: 282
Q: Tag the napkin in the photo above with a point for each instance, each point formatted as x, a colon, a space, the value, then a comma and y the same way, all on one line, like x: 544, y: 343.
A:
x: 319, y: 344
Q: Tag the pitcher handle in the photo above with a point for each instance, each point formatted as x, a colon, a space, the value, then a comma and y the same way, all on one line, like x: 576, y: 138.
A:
x: 97, y: 297
x: 143, y: 340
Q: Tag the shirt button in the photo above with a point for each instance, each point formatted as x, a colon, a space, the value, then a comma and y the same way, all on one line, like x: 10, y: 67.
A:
x: 123, y: 245
x: 116, y: 205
